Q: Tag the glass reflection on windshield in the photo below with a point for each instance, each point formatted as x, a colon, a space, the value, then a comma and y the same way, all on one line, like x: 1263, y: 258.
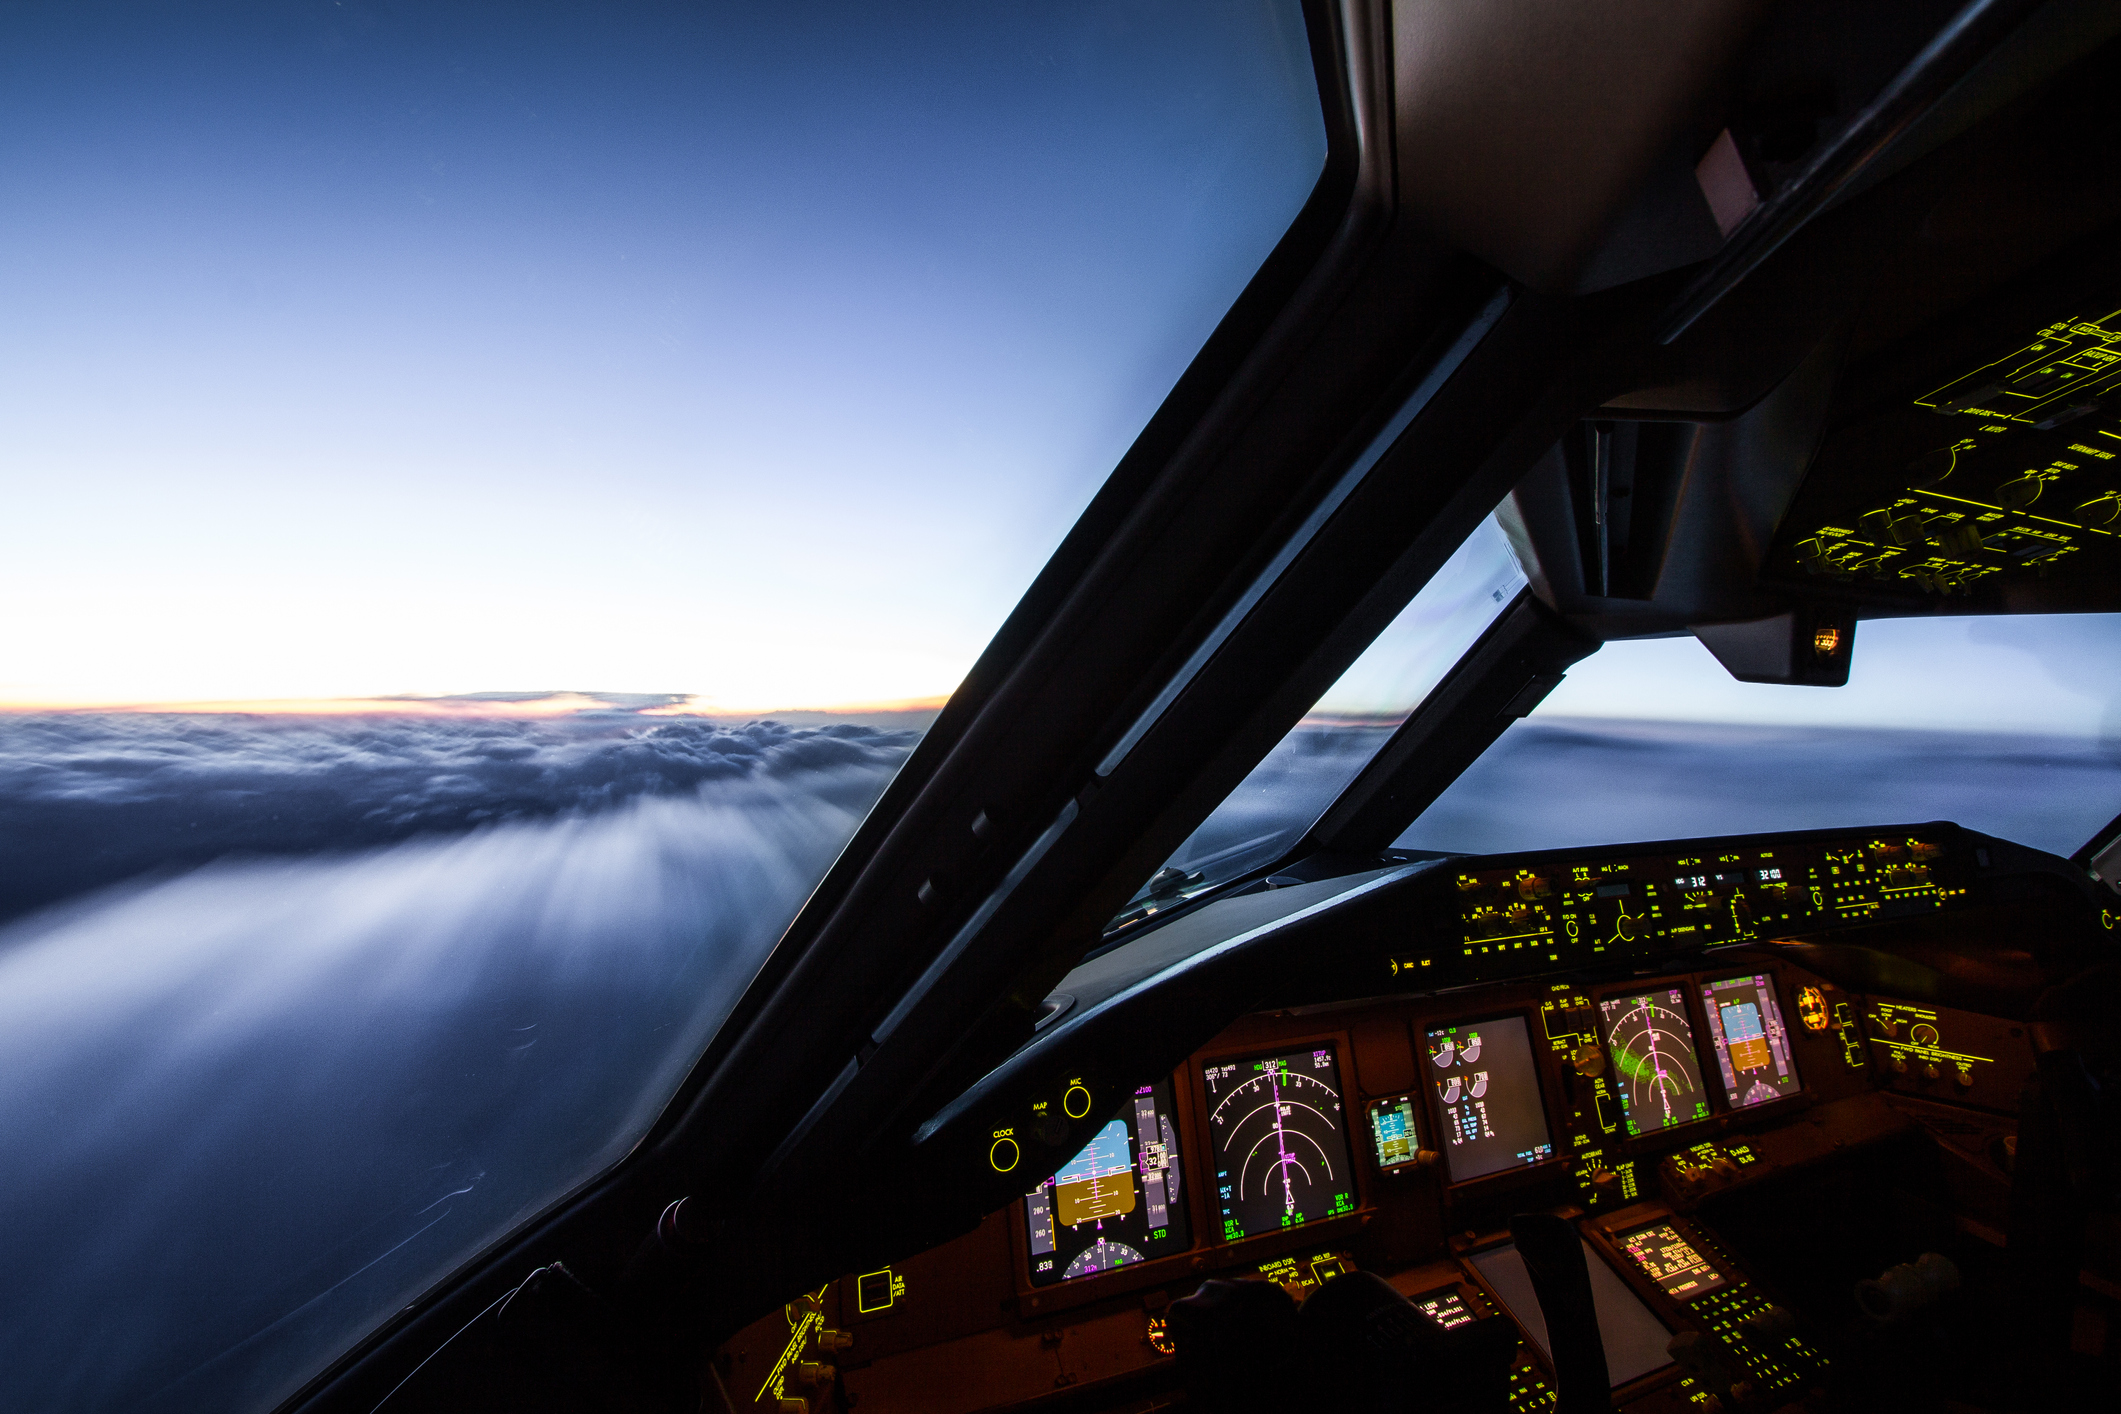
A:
x: 1289, y: 789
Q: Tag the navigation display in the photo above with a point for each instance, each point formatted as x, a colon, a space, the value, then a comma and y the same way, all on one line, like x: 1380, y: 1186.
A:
x: 1493, y: 1118
x: 1281, y: 1141
x: 1671, y: 1261
x: 1752, y: 1044
x: 1116, y: 1202
x: 1654, y: 1064
x: 1392, y: 1126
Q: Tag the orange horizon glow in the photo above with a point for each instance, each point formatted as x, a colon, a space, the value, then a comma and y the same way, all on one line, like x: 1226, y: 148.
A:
x: 558, y: 704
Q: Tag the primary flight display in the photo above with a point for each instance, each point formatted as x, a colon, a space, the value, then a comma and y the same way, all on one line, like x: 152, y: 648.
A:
x: 1116, y: 1202
x: 1752, y: 1043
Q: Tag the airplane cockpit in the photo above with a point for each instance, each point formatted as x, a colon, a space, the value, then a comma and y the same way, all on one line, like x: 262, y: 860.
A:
x: 1755, y: 329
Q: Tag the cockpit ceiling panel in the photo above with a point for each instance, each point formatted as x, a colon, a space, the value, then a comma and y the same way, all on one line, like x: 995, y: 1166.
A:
x: 1999, y: 487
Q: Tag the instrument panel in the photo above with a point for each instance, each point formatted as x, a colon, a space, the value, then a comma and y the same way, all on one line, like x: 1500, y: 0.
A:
x: 1556, y: 909
x: 1396, y: 1129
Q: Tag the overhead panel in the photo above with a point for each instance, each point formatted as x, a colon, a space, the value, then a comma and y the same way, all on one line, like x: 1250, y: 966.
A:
x: 1998, y: 487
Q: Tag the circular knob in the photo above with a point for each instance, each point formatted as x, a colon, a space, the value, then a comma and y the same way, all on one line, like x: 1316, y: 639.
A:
x: 1963, y: 1077
x: 1053, y: 1131
x: 1604, y: 1180
x: 1589, y: 1061
x: 1624, y: 928
x: 1898, y: 1063
x: 1932, y: 1071
x: 1004, y: 1154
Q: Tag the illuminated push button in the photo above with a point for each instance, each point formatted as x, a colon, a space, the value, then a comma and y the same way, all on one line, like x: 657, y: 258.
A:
x: 1075, y: 1101
x: 1004, y: 1154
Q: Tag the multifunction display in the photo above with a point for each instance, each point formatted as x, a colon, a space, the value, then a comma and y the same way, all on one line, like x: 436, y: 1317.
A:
x: 1488, y: 1091
x: 1445, y: 1306
x: 1116, y: 1202
x: 1392, y: 1128
x: 1752, y: 1044
x: 1654, y: 1065
x: 1530, y: 914
x: 1280, y: 1141
x: 1669, y: 1259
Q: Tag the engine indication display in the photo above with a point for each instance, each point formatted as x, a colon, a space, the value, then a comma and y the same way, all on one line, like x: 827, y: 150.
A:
x: 1116, y: 1202
x: 1656, y: 1069
x: 1493, y: 1118
x: 1752, y: 1043
x: 1280, y: 1138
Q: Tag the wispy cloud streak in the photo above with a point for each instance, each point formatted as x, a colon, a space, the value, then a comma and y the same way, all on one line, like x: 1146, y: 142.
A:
x: 252, y: 1109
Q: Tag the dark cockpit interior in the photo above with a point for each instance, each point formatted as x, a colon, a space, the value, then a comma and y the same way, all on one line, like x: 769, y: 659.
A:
x: 1754, y: 323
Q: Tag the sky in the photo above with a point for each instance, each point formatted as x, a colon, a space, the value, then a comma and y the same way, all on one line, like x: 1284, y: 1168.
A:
x: 2047, y: 675
x: 755, y: 355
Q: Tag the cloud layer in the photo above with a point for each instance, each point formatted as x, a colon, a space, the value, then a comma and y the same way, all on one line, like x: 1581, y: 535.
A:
x: 1553, y: 782
x: 89, y: 800
x: 252, y: 1109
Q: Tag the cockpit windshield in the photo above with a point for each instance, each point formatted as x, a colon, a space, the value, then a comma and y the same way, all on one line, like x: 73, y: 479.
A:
x: 1270, y: 810
x: 497, y: 493
x: 2008, y: 724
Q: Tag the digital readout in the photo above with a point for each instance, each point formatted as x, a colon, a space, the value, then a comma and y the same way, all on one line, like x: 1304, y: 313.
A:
x: 1669, y: 1259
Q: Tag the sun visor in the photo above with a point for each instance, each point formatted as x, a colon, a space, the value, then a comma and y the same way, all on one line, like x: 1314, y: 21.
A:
x: 1806, y: 647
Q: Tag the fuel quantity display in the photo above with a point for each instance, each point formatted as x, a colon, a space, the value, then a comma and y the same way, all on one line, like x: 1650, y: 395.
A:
x: 1116, y: 1202
x: 1752, y: 1043
x: 1654, y: 1064
x: 1280, y: 1137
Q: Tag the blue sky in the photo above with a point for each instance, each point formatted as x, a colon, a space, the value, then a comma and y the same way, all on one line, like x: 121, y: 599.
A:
x: 756, y: 352
x: 2050, y: 674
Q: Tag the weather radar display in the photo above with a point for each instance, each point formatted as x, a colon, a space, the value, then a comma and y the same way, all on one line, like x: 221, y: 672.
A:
x: 1281, y: 1141
x: 1752, y: 1042
x: 1652, y: 1045
x: 1116, y: 1202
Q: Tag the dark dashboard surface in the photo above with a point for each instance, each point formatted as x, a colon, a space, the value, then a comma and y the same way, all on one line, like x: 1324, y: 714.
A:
x: 1662, y: 1042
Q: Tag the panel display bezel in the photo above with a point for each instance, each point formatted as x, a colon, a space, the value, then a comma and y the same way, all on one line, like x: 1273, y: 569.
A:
x: 1438, y: 1118
x: 1686, y: 984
